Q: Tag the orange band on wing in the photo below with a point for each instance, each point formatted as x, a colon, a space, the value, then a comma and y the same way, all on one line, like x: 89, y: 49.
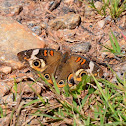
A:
x: 45, y: 52
x: 95, y: 74
x: 50, y: 81
x: 70, y: 85
x: 60, y: 86
x: 83, y: 62
x: 25, y: 58
x: 70, y: 76
x: 51, y: 52
x: 36, y: 68
x: 79, y: 79
x: 78, y: 59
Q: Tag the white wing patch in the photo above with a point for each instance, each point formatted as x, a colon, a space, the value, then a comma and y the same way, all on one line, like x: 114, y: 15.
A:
x: 33, y: 57
x: 35, y: 52
x: 78, y: 72
x: 42, y: 63
x: 91, y: 65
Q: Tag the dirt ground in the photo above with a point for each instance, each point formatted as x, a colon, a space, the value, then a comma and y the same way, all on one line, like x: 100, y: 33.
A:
x: 66, y: 25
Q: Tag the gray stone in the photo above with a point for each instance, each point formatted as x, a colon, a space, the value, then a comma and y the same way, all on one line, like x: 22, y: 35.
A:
x: 88, y: 11
x: 108, y: 18
x: 15, y: 38
x: 98, y: 5
x: 120, y: 70
x: 68, y: 21
x: 101, y: 23
x: 5, y: 69
x: 37, y: 30
x: 81, y: 47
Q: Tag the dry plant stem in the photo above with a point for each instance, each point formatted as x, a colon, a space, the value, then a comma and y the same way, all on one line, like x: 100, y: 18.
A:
x: 24, y: 124
x: 47, y: 10
x: 18, y: 106
x: 53, y: 107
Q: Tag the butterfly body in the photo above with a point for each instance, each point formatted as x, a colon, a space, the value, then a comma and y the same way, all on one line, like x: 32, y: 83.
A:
x: 63, y: 67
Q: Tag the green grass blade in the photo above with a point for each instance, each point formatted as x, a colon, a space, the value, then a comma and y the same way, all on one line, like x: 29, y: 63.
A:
x: 45, y: 115
x: 83, y: 102
x: 55, y: 85
x: 116, y: 43
x: 109, y: 49
x: 116, y: 5
x: 104, y: 96
x: 40, y: 97
x: 112, y: 43
x: 1, y: 112
x: 31, y: 102
x: 66, y: 89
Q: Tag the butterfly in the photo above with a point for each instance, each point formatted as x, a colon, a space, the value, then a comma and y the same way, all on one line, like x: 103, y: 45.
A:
x: 64, y: 67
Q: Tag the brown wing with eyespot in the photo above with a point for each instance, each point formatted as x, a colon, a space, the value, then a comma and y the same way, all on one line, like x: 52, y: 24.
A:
x: 67, y: 69
x: 43, y: 60
x: 74, y: 68
x: 86, y: 64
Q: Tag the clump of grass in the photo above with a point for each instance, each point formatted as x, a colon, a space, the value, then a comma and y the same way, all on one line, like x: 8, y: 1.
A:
x: 113, y: 97
x: 99, y: 106
x: 115, y: 7
x: 115, y: 47
x: 111, y: 110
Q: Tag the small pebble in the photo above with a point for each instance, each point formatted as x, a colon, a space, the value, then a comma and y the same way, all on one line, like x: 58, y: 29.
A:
x: 68, y: 1
x: 108, y: 18
x: 66, y: 10
x: 68, y: 21
x: 44, y: 25
x: 5, y: 69
x: 81, y: 47
x: 98, y: 5
x: 37, y: 30
x: 101, y: 23
x: 88, y: 11
x: 31, y: 23
x: 8, y: 98
x: 17, y: 10
x: 4, y: 88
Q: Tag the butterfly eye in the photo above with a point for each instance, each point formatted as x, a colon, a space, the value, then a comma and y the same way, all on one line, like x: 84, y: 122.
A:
x: 61, y: 82
x: 47, y: 76
x: 37, y: 63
